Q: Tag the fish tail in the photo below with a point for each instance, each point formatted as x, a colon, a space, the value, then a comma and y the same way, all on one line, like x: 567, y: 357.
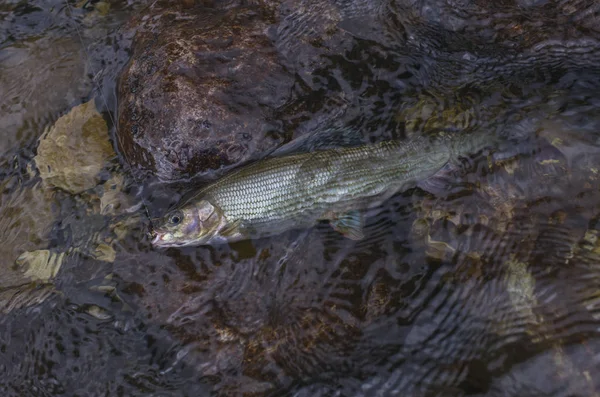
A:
x: 470, y: 144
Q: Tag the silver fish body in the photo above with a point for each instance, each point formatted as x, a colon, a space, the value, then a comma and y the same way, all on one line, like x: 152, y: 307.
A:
x: 296, y: 191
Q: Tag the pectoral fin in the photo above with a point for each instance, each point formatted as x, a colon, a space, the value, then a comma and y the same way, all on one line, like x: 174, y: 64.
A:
x: 349, y: 224
x: 231, y: 229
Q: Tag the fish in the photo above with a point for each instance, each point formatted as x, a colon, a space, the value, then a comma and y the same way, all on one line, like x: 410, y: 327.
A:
x: 298, y: 190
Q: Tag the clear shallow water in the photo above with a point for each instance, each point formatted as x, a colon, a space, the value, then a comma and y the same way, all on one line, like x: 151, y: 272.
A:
x: 484, y: 284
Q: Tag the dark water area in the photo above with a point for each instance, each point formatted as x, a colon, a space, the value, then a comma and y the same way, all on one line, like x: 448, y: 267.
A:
x: 482, y: 281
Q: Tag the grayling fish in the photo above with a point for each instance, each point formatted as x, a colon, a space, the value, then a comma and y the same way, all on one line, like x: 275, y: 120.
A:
x: 296, y: 191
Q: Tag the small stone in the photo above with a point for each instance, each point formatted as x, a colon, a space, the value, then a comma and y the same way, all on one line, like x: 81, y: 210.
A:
x: 98, y: 312
x: 520, y: 286
x: 420, y: 229
x: 113, y: 198
x: 40, y: 265
x: 439, y: 249
x: 102, y: 7
x: 105, y: 253
x: 591, y: 237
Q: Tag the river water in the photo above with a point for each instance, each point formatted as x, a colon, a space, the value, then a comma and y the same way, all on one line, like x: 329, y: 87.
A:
x: 482, y: 282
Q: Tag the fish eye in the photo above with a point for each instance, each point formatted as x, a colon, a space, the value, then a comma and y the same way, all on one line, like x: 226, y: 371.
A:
x: 175, y: 218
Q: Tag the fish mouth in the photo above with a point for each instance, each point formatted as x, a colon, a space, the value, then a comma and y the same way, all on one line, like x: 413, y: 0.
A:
x: 160, y: 243
x: 157, y: 239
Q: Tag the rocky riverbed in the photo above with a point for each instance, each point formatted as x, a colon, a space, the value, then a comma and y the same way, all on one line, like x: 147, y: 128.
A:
x: 483, y: 284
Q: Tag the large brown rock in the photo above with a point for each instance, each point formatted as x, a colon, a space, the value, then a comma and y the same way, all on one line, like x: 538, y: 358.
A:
x: 200, y: 89
x: 208, y: 88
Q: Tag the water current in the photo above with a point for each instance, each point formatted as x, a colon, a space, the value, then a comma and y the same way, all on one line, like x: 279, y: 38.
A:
x: 483, y: 281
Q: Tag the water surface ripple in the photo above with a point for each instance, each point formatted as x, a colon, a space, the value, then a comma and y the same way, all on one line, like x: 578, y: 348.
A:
x: 482, y: 281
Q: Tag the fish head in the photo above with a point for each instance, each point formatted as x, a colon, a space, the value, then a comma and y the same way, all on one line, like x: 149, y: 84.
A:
x: 191, y: 224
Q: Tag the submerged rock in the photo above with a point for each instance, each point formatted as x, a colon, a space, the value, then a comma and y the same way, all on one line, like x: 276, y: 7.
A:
x: 70, y: 156
x: 27, y: 215
x: 26, y: 267
x: 208, y: 88
x: 40, y: 265
x: 200, y: 90
x: 72, y: 153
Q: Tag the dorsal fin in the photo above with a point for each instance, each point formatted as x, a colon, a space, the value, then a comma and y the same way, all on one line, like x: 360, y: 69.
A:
x: 323, y: 139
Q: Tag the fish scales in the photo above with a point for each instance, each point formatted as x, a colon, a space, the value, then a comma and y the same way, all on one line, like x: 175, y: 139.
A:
x: 295, y: 191
x: 308, y: 185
